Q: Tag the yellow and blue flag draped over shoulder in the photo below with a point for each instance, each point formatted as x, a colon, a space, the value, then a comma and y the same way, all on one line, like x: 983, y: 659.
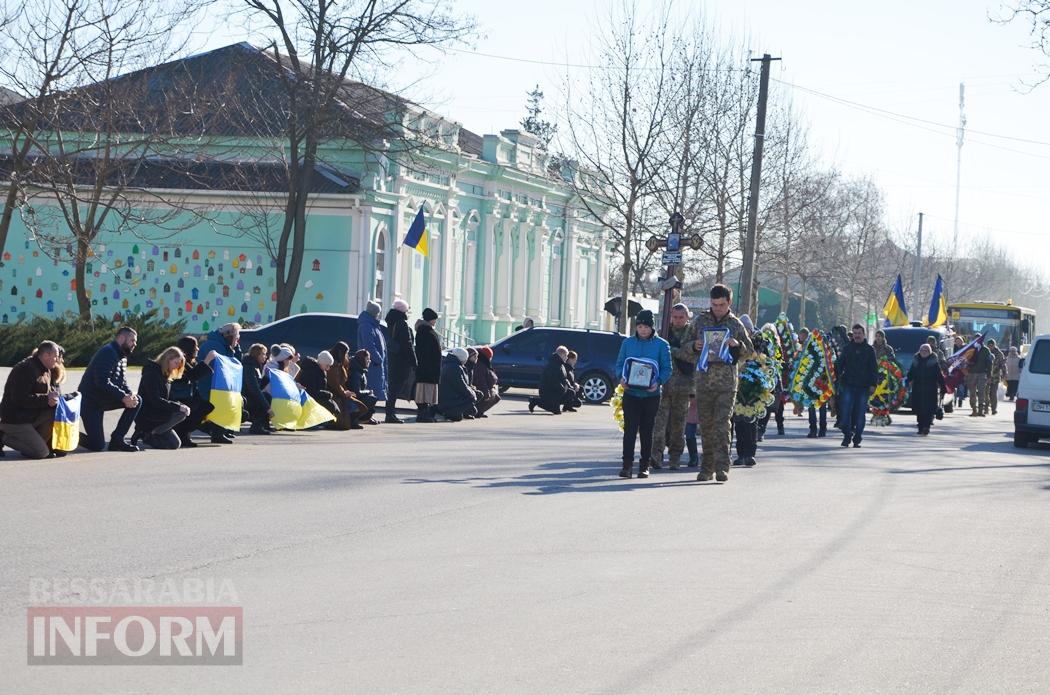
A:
x: 65, y: 435
x: 938, y: 315
x: 226, y: 392
x: 417, y: 233
x: 895, y: 310
x: 293, y: 409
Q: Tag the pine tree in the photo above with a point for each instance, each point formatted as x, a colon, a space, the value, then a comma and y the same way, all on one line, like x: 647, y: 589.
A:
x: 533, y: 124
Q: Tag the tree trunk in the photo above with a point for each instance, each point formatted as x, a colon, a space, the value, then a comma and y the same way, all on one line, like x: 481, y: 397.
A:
x: 802, y: 305
x: 621, y: 322
x: 79, y: 263
x: 8, y: 214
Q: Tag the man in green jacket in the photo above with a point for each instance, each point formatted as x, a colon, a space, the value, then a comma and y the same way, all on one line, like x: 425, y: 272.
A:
x: 977, y: 381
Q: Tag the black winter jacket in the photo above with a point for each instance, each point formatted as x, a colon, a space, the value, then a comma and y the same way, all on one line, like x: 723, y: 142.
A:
x: 25, y: 393
x: 926, y: 381
x: 155, y: 393
x: 454, y: 390
x: 857, y: 367
x: 428, y: 355
x: 252, y: 384
x: 105, y: 380
x: 554, y: 382
x: 400, y: 356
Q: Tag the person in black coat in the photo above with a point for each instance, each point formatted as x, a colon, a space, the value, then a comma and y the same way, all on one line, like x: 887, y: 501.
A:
x: 256, y: 401
x: 428, y: 365
x: 457, y: 399
x: 357, y: 385
x: 555, y: 390
x: 313, y: 377
x: 400, y: 360
x: 184, y: 390
x: 104, y: 386
x: 858, y: 375
x: 927, y: 383
x: 27, y: 411
x: 156, y: 421
x: 575, y: 389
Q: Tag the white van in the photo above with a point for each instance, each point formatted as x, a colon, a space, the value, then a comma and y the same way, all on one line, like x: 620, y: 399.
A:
x: 1032, y: 414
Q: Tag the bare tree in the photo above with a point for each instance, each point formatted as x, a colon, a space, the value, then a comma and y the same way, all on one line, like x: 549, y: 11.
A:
x: 615, y: 118
x: 322, y: 45
x: 84, y: 141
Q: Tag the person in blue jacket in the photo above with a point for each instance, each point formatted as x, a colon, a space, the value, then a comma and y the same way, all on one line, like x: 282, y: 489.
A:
x: 104, y: 386
x: 225, y: 341
x: 641, y: 404
x: 370, y: 337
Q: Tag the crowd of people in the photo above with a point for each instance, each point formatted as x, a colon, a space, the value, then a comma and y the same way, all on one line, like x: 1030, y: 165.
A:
x: 717, y: 374
x: 713, y: 380
x: 174, y: 397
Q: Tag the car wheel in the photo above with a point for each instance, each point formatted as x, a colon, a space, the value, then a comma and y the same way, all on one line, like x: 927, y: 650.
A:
x: 596, y: 388
x: 1021, y: 441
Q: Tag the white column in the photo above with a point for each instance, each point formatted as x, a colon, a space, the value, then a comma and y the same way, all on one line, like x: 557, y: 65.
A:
x: 521, y: 273
x: 488, y: 268
x: 535, y: 288
x: 506, y: 277
x: 470, y: 307
x: 592, y: 290
x: 571, y: 279
x: 360, y: 254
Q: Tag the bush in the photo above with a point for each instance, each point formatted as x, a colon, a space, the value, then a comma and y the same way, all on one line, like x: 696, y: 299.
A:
x: 82, y: 340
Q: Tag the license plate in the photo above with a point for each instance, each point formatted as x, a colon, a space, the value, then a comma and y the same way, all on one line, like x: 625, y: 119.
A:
x: 1041, y: 407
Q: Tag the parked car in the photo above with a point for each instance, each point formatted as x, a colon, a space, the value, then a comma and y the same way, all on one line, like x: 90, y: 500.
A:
x: 1032, y: 405
x: 519, y: 358
x: 905, y: 341
x: 309, y: 333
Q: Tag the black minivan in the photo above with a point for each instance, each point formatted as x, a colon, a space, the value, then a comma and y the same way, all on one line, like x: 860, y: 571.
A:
x: 519, y: 358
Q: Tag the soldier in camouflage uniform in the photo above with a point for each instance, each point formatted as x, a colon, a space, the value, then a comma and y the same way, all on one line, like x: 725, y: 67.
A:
x: 716, y: 388
x: 995, y: 377
x: 669, y: 429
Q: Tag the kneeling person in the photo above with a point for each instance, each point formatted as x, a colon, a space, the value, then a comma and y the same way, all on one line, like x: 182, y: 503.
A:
x: 27, y: 411
x: 456, y: 398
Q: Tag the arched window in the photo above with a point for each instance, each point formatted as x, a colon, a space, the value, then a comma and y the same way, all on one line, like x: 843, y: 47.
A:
x: 377, y: 291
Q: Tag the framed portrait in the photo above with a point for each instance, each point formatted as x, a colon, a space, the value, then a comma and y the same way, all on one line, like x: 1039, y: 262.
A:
x: 639, y: 374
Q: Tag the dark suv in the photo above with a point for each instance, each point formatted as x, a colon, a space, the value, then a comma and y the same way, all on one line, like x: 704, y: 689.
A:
x: 519, y: 358
x: 309, y: 333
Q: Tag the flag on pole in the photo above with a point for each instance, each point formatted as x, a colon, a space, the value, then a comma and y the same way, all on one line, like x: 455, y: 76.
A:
x: 226, y: 392
x: 960, y: 362
x: 293, y: 408
x: 895, y: 310
x: 417, y: 233
x: 65, y: 434
x: 938, y: 315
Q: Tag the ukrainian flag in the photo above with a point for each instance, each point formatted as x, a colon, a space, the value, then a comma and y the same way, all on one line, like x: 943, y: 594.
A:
x: 226, y: 393
x: 65, y: 434
x: 293, y: 409
x: 417, y: 233
x: 895, y: 310
x: 938, y: 306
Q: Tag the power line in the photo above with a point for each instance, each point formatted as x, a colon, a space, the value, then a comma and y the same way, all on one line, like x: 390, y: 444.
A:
x: 886, y: 112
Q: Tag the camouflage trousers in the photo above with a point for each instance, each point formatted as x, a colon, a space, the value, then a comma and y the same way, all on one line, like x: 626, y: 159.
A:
x: 715, y: 399
x: 669, y: 429
x: 977, y: 385
x: 992, y: 399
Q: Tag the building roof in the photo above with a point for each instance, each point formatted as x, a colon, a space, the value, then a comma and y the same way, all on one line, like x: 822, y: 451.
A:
x: 262, y: 176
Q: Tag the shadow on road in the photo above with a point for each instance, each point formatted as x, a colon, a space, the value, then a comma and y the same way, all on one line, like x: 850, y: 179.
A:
x: 576, y: 476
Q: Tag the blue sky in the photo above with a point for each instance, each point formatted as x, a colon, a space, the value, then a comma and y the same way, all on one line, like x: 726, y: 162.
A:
x: 906, y: 58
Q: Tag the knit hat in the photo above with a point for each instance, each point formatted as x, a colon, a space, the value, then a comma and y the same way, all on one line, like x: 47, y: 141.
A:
x: 486, y: 351
x: 471, y: 352
x: 284, y: 353
x: 645, y: 318
x: 429, y: 314
x: 373, y: 308
x: 461, y: 354
x: 325, y: 357
x: 401, y: 305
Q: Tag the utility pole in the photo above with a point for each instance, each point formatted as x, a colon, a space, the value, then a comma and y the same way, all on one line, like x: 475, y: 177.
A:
x: 747, y: 272
x: 917, y: 270
x: 960, y: 133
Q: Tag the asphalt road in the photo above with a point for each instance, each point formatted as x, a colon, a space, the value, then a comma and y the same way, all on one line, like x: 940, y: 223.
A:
x: 504, y: 555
